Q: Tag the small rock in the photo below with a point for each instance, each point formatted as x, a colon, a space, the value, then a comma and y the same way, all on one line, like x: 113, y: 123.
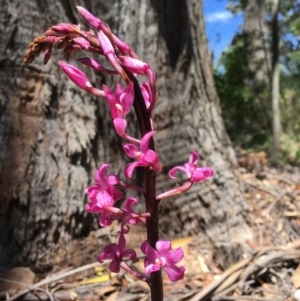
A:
x: 20, y: 278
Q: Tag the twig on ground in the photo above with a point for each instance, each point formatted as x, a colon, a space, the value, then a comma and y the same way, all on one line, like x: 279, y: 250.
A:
x: 53, y: 278
x: 237, y: 276
x: 271, y: 192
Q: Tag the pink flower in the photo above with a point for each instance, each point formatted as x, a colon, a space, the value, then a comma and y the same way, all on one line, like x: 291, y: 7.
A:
x: 145, y: 156
x: 117, y: 253
x: 103, y: 195
x: 130, y: 215
x: 102, y: 204
x: 120, y: 103
x: 193, y: 173
x: 163, y: 256
x: 103, y: 182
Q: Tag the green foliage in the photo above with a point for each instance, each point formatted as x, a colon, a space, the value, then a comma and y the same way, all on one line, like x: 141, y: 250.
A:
x: 244, y: 117
x: 290, y: 92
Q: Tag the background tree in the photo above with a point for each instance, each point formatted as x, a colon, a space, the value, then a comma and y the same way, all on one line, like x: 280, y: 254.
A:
x: 256, y: 34
x: 54, y: 136
x: 275, y: 81
x: 257, y: 58
x: 243, y: 76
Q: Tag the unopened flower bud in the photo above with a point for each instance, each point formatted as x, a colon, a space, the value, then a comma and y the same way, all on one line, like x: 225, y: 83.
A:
x: 109, y: 52
x: 75, y: 75
x: 82, y: 42
x: 134, y: 65
x: 90, y: 19
x: 105, y: 43
x: 47, y: 55
x: 64, y: 28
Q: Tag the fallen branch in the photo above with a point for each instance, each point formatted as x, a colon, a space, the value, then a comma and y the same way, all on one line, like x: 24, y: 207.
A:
x: 51, y: 279
x: 236, y: 276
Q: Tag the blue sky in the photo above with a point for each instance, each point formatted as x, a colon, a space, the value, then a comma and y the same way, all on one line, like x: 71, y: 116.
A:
x: 221, y: 25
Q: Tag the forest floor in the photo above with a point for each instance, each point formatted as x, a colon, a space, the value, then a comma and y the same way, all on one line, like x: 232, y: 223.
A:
x: 270, y: 271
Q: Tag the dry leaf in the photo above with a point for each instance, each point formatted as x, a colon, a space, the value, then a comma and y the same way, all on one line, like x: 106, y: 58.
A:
x: 113, y: 296
x: 203, y: 266
x: 98, y: 279
x: 296, y: 277
x: 180, y: 242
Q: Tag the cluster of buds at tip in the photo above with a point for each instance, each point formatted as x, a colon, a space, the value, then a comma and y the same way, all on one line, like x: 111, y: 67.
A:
x: 107, y: 190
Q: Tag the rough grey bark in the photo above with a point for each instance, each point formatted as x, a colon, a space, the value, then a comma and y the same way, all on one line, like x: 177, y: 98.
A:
x: 53, y: 136
x: 256, y: 33
x: 188, y: 117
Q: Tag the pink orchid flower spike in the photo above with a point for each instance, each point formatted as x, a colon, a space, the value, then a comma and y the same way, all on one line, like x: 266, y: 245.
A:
x: 163, y: 256
x: 193, y: 173
x: 145, y: 156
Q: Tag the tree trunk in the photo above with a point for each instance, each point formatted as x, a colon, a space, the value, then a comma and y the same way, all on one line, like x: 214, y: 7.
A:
x: 256, y: 33
x: 188, y: 117
x: 53, y: 135
x: 275, y: 83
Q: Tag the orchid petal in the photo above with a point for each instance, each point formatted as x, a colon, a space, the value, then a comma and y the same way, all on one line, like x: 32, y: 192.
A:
x: 120, y: 125
x: 148, y: 250
x: 100, y: 175
x: 108, y: 252
x: 130, y: 254
x: 174, y: 256
x: 129, y: 169
x: 163, y: 246
x: 131, y: 150
x: 145, y: 141
x: 151, y: 157
x: 150, y: 268
x: 127, y: 98
x: 114, y: 266
x: 193, y: 158
x: 147, y: 93
x: 112, y: 180
x: 129, y: 203
x: 173, y: 171
x: 175, y: 273
x: 105, y: 219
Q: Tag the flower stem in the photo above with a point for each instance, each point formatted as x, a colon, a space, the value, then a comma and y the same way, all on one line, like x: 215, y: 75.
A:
x: 134, y: 273
x: 156, y: 285
x: 144, y: 121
